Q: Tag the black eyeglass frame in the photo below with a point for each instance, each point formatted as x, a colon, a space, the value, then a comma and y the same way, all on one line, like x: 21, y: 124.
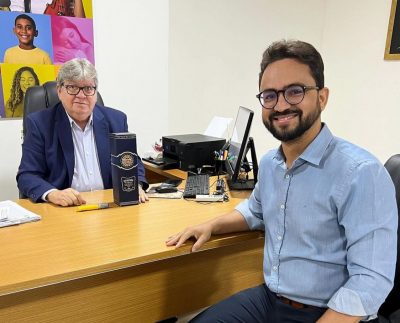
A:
x: 80, y: 88
x: 283, y: 91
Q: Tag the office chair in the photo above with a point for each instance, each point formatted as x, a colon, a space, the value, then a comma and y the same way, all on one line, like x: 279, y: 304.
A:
x: 42, y: 97
x: 390, y: 309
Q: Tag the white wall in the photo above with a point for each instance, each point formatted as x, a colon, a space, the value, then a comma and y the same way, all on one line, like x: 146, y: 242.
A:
x: 364, y: 103
x: 10, y: 147
x: 215, y: 51
x: 131, y: 52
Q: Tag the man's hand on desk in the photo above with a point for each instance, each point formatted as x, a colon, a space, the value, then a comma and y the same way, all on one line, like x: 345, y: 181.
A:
x: 142, y: 195
x: 201, y: 233
x: 65, y: 197
x: 230, y: 222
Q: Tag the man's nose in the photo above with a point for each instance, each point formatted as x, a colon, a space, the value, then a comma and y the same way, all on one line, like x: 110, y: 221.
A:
x: 81, y: 94
x: 281, y: 104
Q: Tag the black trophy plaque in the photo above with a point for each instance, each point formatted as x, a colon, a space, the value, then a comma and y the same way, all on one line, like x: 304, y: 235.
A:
x: 124, y: 162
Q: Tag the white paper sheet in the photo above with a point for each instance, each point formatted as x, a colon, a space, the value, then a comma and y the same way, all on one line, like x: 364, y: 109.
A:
x: 218, y: 127
x: 12, y: 214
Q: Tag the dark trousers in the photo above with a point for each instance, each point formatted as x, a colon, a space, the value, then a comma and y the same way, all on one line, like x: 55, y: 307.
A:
x: 257, y: 304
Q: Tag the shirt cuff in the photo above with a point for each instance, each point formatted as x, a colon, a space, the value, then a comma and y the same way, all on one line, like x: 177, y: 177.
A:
x: 144, y: 185
x: 44, y: 196
x: 253, y: 222
x: 348, y: 302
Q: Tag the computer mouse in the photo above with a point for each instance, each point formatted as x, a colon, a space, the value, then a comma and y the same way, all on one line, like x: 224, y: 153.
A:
x: 166, y: 189
x: 172, y: 182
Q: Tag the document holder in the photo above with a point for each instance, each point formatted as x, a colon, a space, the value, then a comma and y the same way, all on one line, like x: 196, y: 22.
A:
x: 124, y: 163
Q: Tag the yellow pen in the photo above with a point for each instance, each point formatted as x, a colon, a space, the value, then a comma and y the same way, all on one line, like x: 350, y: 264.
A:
x: 89, y: 207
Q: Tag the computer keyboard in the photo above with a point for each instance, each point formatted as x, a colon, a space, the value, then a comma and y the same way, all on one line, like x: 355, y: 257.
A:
x: 197, y: 185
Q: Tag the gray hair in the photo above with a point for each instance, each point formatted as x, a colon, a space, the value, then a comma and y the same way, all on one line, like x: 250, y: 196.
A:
x: 77, y: 70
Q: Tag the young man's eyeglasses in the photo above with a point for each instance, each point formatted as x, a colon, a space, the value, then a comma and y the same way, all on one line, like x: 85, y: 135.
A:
x: 74, y: 90
x: 293, y: 94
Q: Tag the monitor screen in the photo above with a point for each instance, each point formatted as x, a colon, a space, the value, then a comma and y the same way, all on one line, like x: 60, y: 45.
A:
x: 238, y: 143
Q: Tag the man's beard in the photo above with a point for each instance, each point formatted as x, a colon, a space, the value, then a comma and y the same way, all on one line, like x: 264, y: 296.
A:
x: 284, y: 134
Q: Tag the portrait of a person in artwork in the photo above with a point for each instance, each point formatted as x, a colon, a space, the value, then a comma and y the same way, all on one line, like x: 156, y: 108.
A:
x: 24, y: 78
x: 72, y: 8
x: 26, y: 52
x: 69, y: 41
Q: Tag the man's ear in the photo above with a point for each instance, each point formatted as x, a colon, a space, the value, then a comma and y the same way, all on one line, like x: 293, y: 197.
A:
x: 323, y: 95
x: 58, y: 88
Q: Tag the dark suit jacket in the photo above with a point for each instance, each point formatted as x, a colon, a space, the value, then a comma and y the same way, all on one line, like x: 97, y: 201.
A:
x: 48, y: 151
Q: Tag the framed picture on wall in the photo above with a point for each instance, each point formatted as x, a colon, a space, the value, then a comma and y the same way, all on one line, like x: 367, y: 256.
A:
x: 392, y: 50
x: 58, y: 31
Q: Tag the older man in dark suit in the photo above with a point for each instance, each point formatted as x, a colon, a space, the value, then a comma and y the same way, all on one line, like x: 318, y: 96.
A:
x: 66, y: 147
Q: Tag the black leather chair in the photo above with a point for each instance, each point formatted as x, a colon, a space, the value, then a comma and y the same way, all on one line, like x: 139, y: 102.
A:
x: 42, y: 97
x: 390, y: 309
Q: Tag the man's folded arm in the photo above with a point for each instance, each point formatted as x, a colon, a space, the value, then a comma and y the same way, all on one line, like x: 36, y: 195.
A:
x: 371, y: 232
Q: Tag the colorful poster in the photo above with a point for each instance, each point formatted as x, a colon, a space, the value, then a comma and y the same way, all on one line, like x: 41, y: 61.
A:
x: 36, y: 37
x: 72, y: 37
x: 16, y: 79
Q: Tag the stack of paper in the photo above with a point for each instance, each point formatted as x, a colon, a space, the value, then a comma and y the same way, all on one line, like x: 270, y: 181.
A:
x: 11, y: 214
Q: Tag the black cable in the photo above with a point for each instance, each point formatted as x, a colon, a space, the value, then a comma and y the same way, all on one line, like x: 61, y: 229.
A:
x: 27, y: 5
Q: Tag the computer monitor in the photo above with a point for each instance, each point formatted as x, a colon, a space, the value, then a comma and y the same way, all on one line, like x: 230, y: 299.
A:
x: 238, y: 148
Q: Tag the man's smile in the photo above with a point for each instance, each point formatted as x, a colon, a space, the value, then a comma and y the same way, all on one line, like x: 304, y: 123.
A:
x: 286, y: 117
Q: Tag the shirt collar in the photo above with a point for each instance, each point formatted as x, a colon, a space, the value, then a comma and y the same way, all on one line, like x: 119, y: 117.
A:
x: 315, y: 150
x: 73, y: 123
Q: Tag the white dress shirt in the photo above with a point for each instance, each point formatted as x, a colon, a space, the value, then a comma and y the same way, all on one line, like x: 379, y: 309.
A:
x: 87, y: 173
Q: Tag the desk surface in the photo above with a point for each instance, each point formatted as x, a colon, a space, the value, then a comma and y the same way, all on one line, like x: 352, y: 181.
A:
x: 156, y: 174
x: 116, y: 262
x: 67, y: 244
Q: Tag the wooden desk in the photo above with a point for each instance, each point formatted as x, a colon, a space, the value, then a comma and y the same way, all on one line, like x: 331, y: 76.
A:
x: 113, y: 266
x: 156, y: 174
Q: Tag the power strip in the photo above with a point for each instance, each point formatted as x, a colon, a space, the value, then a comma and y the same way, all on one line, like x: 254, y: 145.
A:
x: 209, y: 198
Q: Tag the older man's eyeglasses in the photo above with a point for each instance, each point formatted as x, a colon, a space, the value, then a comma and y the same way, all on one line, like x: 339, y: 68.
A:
x: 293, y: 94
x: 74, y: 90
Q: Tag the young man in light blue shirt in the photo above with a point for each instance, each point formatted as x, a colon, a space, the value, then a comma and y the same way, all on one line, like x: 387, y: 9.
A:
x: 328, y: 209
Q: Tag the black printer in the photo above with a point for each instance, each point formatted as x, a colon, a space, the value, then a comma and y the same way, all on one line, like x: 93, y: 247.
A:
x: 192, y: 151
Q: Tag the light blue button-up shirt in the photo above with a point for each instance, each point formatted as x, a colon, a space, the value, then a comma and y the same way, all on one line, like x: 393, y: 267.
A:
x: 330, y: 226
x: 87, y: 174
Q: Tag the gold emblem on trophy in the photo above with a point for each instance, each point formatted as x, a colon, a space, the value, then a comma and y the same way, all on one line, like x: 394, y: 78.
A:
x: 127, y: 161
